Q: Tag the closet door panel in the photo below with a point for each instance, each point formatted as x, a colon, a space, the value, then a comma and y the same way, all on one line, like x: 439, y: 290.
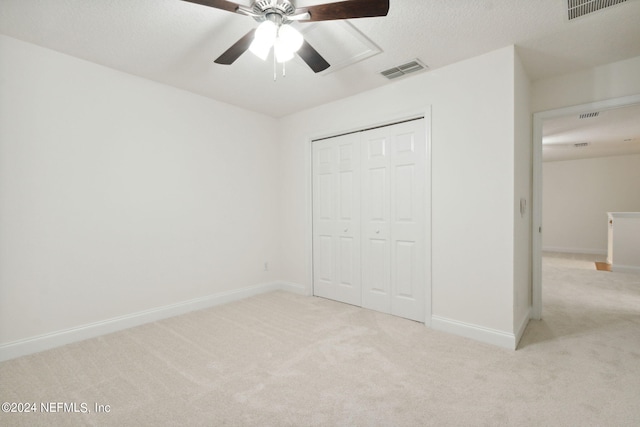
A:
x: 408, y: 204
x: 324, y: 202
x: 348, y: 287
x: 376, y: 251
x: 336, y: 219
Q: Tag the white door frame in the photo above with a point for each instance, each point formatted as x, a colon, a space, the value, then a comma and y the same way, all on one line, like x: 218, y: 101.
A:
x: 538, y: 119
x: 425, y: 113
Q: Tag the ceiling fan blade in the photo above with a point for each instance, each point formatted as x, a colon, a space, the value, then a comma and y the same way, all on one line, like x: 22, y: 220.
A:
x: 299, y: 17
x: 313, y: 59
x: 218, y: 4
x: 239, y: 47
x: 346, y: 10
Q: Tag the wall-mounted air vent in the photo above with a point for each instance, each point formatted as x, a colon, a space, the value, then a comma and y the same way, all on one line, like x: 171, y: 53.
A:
x: 589, y: 115
x: 401, y: 70
x: 581, y: 144
x: 578, y: 8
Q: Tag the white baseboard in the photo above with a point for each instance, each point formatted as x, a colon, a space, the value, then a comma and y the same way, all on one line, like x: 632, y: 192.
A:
x: 58, y: 338
x: 625, y: 268
x: 574, y: 250
x: 295, y: 288
x: 475, y: 332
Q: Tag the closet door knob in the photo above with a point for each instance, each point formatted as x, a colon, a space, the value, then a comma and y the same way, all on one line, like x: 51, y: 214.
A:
x: 377, y: 231
x: 346, y: 229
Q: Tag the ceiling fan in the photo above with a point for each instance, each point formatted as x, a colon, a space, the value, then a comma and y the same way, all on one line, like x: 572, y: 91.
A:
x: 275, y: 30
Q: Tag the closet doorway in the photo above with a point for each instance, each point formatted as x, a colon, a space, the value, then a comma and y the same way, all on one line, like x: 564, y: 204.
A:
x: 370, y: 219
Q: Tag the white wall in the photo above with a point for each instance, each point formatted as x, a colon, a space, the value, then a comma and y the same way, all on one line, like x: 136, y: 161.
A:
x: 624, y: 249
x: 473, y: 183
x: 522, y: 191
x: 608, y: 81
x: 577, y: 194
x: 119, y: 195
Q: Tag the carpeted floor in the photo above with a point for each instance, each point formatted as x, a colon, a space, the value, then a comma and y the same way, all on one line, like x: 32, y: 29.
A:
x: 286, y: 360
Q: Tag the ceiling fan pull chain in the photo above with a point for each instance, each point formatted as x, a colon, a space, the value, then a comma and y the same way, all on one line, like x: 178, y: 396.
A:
x: 275, y: 69
x: 284, y: 69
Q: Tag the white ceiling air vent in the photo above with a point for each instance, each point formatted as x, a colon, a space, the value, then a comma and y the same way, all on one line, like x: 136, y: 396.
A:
x: 578, y: 8
x: 401, y: 70
x: 589, y: 115
x: 581, y: 144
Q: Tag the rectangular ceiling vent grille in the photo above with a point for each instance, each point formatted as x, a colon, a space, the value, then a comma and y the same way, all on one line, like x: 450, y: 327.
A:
x: 589, y: 115
x: 578, y: 8
x: 581, y: 144
x: 404, y: 69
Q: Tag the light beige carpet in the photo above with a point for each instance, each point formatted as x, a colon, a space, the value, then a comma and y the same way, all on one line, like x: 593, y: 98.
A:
x: 286, y: 360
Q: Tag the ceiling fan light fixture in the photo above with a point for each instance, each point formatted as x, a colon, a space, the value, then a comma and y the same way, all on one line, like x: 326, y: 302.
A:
x: 267, y: 32
x: 290, y: 37
x: 264, y: 38
x: 260, y: 49
x: 284, y: 39
x: 282, y: 51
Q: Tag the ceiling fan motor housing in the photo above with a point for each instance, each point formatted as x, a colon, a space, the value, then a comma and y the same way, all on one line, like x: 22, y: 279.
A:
x: 266, y: 9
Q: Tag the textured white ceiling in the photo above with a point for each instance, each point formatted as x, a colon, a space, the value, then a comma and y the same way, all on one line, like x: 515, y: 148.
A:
x: 613, y: 132
x: 175, y: 42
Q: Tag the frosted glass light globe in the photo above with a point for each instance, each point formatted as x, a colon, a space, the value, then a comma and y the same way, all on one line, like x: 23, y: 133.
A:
x: 267, y: 32
x: 282, y: 51
x: 290, y: 37
x: 264, y: 38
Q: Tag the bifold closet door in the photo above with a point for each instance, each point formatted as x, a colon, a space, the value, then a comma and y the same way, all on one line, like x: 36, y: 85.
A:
x: 369, y: 219
x: 393, y: 219
x: 336, y: 219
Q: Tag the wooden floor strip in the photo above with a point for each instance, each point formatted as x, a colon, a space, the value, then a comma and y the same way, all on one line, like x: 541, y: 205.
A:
x: 603, y: 266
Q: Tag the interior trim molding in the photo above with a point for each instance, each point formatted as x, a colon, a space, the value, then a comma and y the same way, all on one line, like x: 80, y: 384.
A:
x: 91, y: 330
x: 295, y: 288
x: 575, y: 250
x: 475, y: 332
x: 523, y: 325
x: 617, y: 268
